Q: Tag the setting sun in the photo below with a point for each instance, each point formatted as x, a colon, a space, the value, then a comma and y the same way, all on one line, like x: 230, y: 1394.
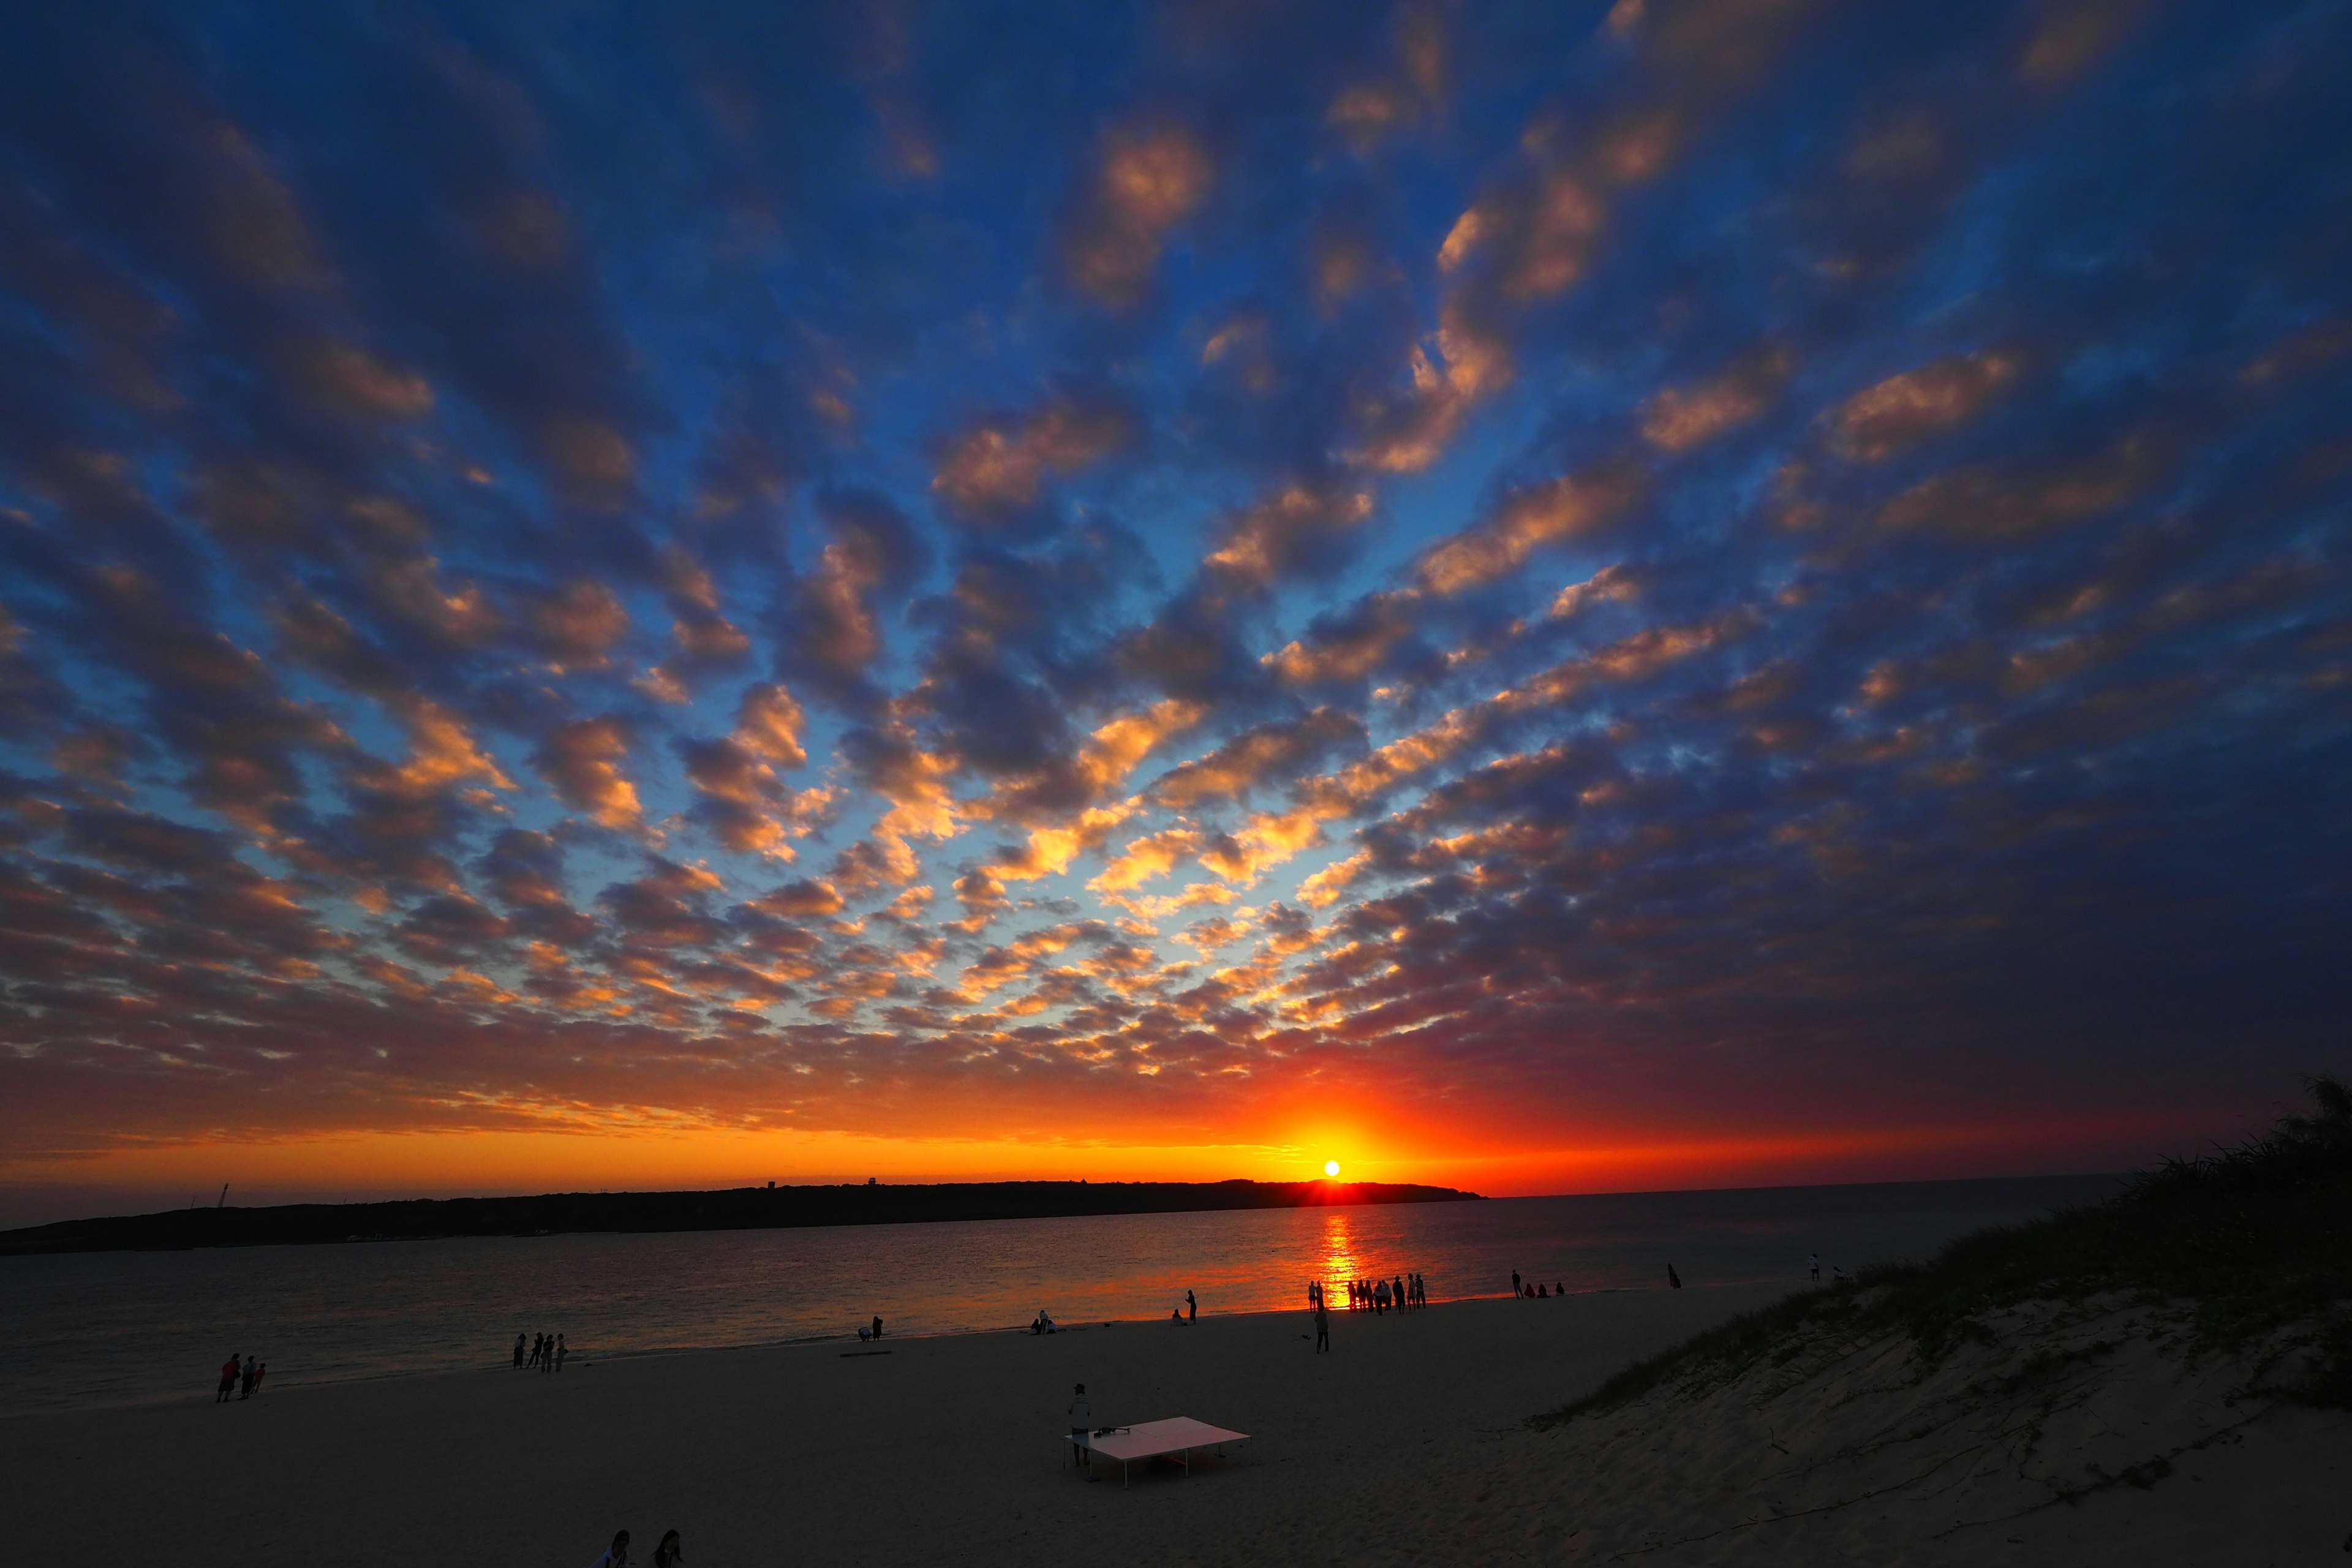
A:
x: 1330, y: 1167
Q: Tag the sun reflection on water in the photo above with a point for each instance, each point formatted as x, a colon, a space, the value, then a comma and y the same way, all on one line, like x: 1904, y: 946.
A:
x: 1341, y: 1263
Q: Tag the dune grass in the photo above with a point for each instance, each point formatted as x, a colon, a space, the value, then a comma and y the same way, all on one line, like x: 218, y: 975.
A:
x: 2255, y: 1237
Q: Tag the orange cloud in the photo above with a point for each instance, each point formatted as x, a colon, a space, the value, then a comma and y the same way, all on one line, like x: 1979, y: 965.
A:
x: 1679, y: 418
x: 1527, y: 520
x: 1001, y: 467
x: 1879, y: 421
x: 581, y: 761
x: 1150, y: 180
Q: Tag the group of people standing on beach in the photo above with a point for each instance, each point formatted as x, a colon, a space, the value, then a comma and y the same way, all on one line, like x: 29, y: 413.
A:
x: 240, y: 1373
x: 1380, y: 1296
x: 617, y: 1554
x: 548, y: 1352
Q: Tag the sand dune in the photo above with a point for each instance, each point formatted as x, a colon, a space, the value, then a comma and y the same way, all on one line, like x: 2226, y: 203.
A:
x: 1407, y: 1444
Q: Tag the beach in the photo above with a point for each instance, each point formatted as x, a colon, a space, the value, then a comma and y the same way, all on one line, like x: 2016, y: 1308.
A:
x: 1408, y: 1443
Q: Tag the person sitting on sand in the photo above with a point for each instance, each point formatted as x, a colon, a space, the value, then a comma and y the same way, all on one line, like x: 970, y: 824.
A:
x: 1558, y: 1288
x: 617, y: 1554
x: 862, y: 1335
x: 668, y: 1551
x: 1176, y: 1314
x: 1674, y: 1279
x: 229, y: 1370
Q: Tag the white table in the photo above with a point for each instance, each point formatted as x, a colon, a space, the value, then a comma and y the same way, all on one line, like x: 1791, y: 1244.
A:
x: 1178, y: 1437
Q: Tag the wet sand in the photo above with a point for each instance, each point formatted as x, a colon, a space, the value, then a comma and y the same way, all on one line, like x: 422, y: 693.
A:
x: 946, y: 1450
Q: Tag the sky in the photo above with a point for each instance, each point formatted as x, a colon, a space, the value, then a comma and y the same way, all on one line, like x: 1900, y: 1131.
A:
x: 1547, y: 597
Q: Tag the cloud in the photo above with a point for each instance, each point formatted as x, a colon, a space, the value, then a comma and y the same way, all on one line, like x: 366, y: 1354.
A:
x: 1880, y: 421
x: 1990, y: 502
x: 998, y: 468
x: 1526, y: 519
x: 1148, y: 179
x: 581, y: 762
x: 1681, y: 418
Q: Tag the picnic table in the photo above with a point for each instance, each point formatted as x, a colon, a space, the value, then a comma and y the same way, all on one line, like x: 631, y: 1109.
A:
x: 1178, y: 1437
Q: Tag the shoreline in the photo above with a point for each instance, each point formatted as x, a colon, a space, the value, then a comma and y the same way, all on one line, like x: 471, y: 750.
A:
x: 283, y: 1385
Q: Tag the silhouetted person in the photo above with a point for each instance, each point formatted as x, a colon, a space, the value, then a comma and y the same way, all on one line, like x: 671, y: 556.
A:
x: 258, y: 1373
x: 229, y: 1371
x: 1514, y: 1281
x: 1322, y: 1327
x: 877, y: 1325
x: 617, y: 1554
x: 537, y: 1343
x: 1081, y: 1420
x: 561, y: 1352
x: 246, y: 1391
x: 1191, y: 1309
x: 547, y: 1353
x: 668, y: 1551
x: 1396, y: 1292
x: 1673, y: 1278
x: 1813, y: 1266
x: 518, y: 1366
x: 1559, y: 1289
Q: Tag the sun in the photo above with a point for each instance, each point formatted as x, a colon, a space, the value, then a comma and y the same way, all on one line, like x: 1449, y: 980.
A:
x: 1330, y: 1167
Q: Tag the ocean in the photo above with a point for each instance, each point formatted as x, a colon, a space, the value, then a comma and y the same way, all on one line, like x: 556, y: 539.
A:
x: 131, y: 1328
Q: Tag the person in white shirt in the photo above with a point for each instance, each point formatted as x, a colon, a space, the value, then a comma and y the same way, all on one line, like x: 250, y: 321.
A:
x: 1082, y: 1421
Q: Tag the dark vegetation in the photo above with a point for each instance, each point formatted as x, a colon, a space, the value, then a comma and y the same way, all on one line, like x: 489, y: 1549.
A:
x: 739, y: 1208
x: 2254, y: 1238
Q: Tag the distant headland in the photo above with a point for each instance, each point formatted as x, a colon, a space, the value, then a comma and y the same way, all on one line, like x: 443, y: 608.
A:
x: 735, y: 1208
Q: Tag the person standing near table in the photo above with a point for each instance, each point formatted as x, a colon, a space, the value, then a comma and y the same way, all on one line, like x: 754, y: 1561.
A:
x: 1082, y: 1421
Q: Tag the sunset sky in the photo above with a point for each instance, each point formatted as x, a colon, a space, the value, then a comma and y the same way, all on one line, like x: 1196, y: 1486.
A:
x: 1545, y: 597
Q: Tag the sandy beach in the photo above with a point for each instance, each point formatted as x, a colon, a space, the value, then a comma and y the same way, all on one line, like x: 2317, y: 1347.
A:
x: 1408, y: 1443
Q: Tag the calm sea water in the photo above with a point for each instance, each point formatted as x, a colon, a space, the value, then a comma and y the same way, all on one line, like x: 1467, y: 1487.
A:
x: 127, y: 1328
